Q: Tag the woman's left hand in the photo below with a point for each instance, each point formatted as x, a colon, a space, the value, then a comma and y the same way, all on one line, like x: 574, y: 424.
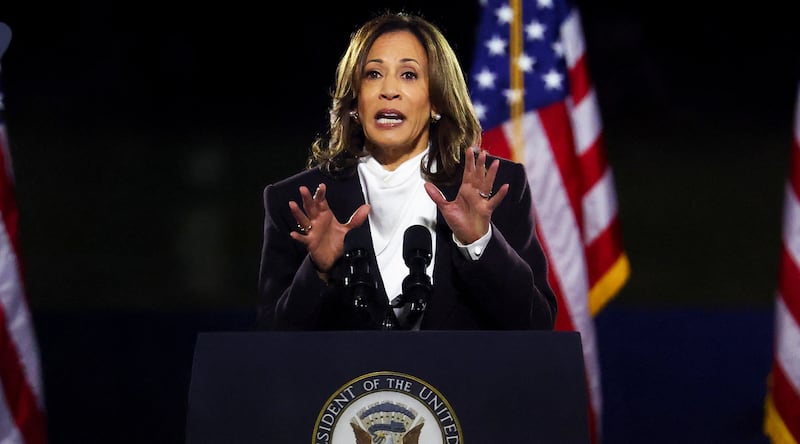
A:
x: 470, y: 213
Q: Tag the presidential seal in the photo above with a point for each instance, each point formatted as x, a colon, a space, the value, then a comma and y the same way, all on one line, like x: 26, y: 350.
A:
x: 387, y: 408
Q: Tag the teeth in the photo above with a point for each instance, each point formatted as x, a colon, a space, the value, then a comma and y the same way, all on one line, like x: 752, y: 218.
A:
x: 389, y: 120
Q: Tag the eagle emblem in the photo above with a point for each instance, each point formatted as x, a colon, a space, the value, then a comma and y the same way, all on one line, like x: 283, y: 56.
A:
x: 387, y: 423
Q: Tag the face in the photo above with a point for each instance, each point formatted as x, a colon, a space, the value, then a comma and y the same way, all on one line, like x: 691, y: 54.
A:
x: 393, y: 103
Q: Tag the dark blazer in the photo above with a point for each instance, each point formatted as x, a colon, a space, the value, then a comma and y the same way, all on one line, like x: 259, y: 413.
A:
x: 506, y: 289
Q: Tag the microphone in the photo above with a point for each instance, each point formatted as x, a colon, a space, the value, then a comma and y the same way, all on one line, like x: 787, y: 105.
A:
x: 417, y: 287
x: 358, y: 278
x: 359, y: 282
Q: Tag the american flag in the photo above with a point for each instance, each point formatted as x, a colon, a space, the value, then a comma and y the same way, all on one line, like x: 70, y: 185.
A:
x: 22, y: 417
x: 782, y: 411
x: 531, y: 89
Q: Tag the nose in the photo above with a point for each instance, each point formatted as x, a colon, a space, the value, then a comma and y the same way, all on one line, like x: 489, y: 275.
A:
x: 389, y: 89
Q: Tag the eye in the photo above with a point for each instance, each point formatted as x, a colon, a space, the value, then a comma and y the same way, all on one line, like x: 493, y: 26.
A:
x: 372, y: 74
x: 409, y: 75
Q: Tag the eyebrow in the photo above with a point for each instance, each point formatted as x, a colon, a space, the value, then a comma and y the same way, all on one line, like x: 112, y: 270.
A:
x: 405, y: 60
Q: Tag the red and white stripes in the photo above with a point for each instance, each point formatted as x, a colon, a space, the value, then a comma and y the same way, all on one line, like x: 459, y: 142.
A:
x: 575, y: 203
x: 607, y: 264
x: 782, y: 417
x: 22, y: 410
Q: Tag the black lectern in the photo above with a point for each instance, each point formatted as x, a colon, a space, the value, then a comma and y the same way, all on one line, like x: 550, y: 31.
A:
x: 360, y: 387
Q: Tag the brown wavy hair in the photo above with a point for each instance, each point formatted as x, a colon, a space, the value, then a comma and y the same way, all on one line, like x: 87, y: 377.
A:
x: 339, y: 148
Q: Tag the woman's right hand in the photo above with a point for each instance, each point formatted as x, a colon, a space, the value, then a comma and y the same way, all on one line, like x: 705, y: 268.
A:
x: 318, y: 228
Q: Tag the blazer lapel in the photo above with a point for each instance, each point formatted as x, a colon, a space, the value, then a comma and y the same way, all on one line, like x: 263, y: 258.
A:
x: 442, y: 301
x: 344, y: 197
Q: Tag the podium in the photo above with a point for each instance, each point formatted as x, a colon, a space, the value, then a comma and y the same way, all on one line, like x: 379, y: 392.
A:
x: 478, y: 387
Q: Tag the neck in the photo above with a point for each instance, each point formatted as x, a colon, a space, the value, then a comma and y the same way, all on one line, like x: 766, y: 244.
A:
x: 392, y: 158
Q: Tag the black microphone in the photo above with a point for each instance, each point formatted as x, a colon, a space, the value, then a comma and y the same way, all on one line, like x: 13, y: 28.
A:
x: 359, y: 283
x: 358, y: 279
x: 417, y: 287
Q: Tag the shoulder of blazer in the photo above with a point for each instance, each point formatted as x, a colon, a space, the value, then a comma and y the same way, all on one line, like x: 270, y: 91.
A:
x: 297, y: 179
x: 510, y: 172
x: 343, y: 192
x: 505, y: 163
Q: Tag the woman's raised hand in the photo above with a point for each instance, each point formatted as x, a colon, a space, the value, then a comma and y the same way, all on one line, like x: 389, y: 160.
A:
x: 470, y: 213
x: 318, y: 229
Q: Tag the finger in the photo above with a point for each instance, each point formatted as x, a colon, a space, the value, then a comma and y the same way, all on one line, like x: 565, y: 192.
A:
x: 321, y: 199
x: 305, y: 196
x: 299, y: 238
x: 469, y: 162
x: 498, y: 197
x: 435, y: 194
x: 298, y: 214
x: 319, y: 194
x: 303, y: 222
x: 358, y: 217
x: 491, y: 174
x: 472, y: 174
x: 309, y: 206
x: 481, y: 161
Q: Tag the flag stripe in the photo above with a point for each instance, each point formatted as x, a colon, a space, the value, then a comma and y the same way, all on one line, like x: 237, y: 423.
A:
x: 8, y: 203
x: 567, y: 322
x: 555, y: 123
x: 494, y: 141
x: 791, y: 224
x: 575, y: 55
x: 782, y: 407
x: 605, y: 248
x: 600, y: 201
x: 13, y: 300
x: 787, y: 407
x: 774, y: 426
x: 608, y: 286
x: 22, y: 417
x: 19, y: 371
x: 607, y: 273
x: 580, y: 83
x: 593, y: 165
x: 561, y: 234
x: 9, y: 433
x: 786, y: 371
x: 794, y: 168
x: 17, y: 394
x: 787, y: 346
x: 587, y: 124
x: 789, y: 283
x: 530, y: 56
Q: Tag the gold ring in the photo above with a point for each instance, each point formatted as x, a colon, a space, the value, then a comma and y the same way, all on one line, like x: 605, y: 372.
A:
x: 304, y: 230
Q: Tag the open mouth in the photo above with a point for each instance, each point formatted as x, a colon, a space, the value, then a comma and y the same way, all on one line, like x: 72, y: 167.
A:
x: 389, y: 117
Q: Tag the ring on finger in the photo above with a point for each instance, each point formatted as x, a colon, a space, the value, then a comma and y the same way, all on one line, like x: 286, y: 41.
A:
x: 486, y: 196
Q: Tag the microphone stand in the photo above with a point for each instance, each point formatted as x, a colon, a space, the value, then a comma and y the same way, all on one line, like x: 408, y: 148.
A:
x: 417, y: 286
x: 359, y: 282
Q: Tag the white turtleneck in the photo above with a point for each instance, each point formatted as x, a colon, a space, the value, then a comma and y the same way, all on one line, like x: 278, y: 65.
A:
x: 398, y: 200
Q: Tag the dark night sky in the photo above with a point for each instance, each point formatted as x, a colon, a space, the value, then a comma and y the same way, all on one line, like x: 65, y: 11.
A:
x: 143, y: 133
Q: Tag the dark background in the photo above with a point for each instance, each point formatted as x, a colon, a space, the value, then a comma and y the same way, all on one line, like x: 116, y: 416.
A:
x: 143, y: 133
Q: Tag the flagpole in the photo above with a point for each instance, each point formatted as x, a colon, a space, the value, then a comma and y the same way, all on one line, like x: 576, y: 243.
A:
x: 517, y: 98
